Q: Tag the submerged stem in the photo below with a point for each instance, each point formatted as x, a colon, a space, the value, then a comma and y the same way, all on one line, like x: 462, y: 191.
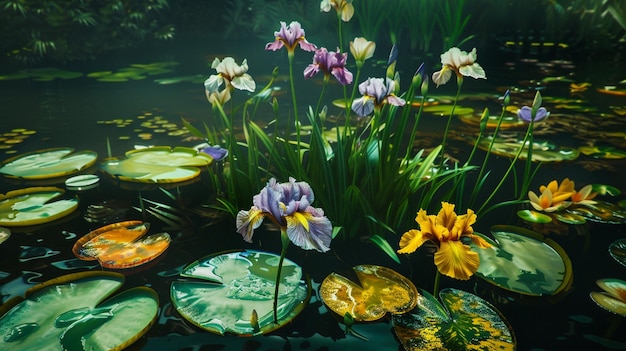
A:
x: 284, y: 239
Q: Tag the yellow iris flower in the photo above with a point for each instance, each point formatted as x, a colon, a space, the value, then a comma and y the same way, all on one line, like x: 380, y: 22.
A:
x: 453, y: 258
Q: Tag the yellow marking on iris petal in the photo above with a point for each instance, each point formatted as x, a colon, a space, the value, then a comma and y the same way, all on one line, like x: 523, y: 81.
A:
x: 302, y: 219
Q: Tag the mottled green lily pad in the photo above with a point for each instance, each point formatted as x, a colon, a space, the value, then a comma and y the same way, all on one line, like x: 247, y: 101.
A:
x: 604, y: 189
x: 380, y: 291
x: 5, y: 234
x: 36, y: 205
x: 534, y: 216
x: 613, y: 298
x: 68, y: 313
x: 446, y: 110
x: 617, y: 250
x: 569, y: 218
x: 48, y: 163
x: 159, y: 164
x: 606, y: 152
x: 524, y: 262
x: 233, y: 292
x: 463, y: 321
x: 601, y: 211
x: 508, y: 121
x: 543, y: 151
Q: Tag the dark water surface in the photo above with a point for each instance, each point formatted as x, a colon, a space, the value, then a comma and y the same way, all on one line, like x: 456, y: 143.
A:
x: 81, y: 113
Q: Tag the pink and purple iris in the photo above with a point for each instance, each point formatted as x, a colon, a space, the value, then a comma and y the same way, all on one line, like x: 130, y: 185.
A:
x: 330, y: 63
x: 289, y: 206
x: 376, y: 91
x: 290, y: 36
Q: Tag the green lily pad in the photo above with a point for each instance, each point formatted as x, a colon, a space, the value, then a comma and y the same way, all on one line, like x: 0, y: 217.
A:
x: 68, y: 313
x: 601, y: 211
x: 463, y: 321
x: 534, y: 216
x: 36, y: 205
x: 508, y: 121
x: 446, y: 110
x: 543, y: 151
x: 613, y: 298
x: 159, y: 164
x: 233, y: 292
x: 5, y: 234
x: 604, y: 189
x: 606, y: 152
x: 569, y: 218
x: 617, y: 250
x: 524, y: 262
x: 48, y: 163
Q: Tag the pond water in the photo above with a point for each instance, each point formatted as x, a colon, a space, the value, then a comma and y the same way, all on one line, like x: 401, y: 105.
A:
x: 88, y: 113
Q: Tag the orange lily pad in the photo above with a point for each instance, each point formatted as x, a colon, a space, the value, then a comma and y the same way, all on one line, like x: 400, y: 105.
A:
x: 120, y: 245
x: 613, y: 298
x: 382, y: 291
x: 69, y: 313
x: 32, y: 206
x: 48, y: 163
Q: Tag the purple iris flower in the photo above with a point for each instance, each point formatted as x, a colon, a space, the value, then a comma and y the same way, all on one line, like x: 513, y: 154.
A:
x: 376, y: 91
x: 217, y: 152
x: 330, y: 63
x: 525, y: 114
x: 290, y: 36
x: 289, y: 206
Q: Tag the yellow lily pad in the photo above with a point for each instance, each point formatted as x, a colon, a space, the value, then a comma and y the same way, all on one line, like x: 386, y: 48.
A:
x: 159, y: 164
x: 48, y: 163
x: 463, y: 321
x: 68, y: 313
x: 31, y: 206
x: 382, y: 291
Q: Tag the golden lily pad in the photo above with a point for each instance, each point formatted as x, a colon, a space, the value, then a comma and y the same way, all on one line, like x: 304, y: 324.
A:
x: 121, y: 245
x: 463, y: 321
x: 601, y: 211
x: 507, y: 122
x: 159, y: 164
x: 524, y: 262
x: 606, y: 152
x: 48, y: 163
x: 36, y: 205
x: 68, y: 313
x: 233, y: 292
x: 542, y: 151
x: 617, y: 250
x: 381, y: 291
x: 613, y: 298
x: 612, y: 90
x: 446, y: 110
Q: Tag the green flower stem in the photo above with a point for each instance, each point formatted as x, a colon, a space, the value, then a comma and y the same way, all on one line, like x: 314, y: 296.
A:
x: 284, y: 240
x: 459, y: 83
x: 290, y: 55
x: 436, y: 284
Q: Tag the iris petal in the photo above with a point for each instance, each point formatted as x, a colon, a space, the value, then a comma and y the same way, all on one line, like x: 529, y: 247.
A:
x: 455, y: 259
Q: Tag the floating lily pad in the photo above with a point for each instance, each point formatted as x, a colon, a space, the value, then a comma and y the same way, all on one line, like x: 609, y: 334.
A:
x: 223, y: 291
x: 534, y: 216
x: 613, y: 298
x: 446, y: 110
x: 48, y: 163
x: 612, y: 90
x: 604, y: 189
x: 5, y: 233
x: 381, y: 291
x: 569, y: 218
x: 617, y: 250
x: 543, y: 151
x: 601, y: 211
x: 606, y: 152
x: 524, y: 262
x: 121, y: 245
x: 430, y: 101
x: 67, y: 313
x: 508, y: 121
x: 463, y: 321
x: 36, y: 205
x: 159, y: 164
